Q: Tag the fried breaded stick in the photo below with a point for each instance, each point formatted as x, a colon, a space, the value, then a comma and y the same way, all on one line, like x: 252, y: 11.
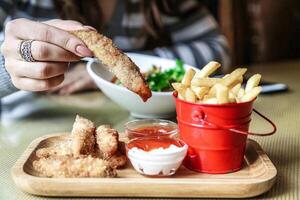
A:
x: 60, y: 149
x: 83, y: 136
x: 107, y: 141
x: 68, y: 167
x: 119, y: 63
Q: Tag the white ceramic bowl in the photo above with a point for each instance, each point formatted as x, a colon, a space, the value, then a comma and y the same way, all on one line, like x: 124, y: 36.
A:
x: 157, y: 164
x: 160, y: 105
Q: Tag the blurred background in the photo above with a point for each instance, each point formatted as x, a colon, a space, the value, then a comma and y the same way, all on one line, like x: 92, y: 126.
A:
x: 259, y: 30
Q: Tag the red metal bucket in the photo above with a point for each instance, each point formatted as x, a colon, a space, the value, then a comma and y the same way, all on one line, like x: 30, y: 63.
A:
x: 216, y: 134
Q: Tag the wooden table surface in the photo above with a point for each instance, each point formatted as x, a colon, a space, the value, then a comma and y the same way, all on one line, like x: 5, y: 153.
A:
x: 30, y: 116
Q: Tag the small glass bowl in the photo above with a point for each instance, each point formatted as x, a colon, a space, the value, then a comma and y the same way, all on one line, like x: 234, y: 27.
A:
x: 156, y: 164
x: 133, y: 128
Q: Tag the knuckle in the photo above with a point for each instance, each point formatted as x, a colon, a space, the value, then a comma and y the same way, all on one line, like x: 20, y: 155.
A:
x: 4, y: 48
x: 11, y: 26
x: 64, y: 67
x: 42, y: 51
x: 8, y: 47
x: 44, y: 85
x: 15, y: 82
x: 9, y: 66
x: 67, y: 43
x: 45, y: 71
x: 52, y: 82
x: 56, y: 81
x: 45, y: 34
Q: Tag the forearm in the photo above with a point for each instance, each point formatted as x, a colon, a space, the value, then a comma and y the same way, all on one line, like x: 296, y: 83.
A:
x: 6, y: 86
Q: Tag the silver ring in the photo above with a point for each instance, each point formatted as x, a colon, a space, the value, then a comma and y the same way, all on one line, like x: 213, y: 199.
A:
x: 25, y: 50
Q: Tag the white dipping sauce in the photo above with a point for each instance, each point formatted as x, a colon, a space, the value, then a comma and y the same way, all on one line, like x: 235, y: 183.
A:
x: 159, y: 161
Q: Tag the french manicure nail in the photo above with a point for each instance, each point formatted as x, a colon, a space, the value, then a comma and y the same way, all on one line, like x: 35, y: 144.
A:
x: 83, y: 51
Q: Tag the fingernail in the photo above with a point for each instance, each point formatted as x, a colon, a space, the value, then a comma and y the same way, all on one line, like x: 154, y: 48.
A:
x: 90, y: 27
x: 83, y: 51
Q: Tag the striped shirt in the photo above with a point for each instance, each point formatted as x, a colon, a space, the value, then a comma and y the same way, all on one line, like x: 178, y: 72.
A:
x: 195, y: 39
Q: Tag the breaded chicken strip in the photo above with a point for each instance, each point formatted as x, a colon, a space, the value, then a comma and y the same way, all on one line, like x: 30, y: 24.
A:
x: 119, y: 63
x: 83, y: 136
x: 107, y: 141
x: 68, y: 167
x: 59, y: 149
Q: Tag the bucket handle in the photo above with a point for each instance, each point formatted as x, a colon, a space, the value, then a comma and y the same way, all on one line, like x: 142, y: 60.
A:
x: 258, y: 134
x: 247, y: 132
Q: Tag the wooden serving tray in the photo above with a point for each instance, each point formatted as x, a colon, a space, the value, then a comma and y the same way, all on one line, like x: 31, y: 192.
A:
x: 256, y: 177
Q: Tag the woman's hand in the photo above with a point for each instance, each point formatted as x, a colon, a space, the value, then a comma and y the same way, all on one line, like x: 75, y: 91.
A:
x: 52, y: 49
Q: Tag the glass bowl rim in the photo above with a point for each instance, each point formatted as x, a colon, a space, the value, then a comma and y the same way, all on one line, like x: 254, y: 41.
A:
x: 155, y: 121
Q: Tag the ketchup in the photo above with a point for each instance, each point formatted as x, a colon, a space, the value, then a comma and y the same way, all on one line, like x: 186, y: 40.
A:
x: 154, y: 130
x: 148, y: 144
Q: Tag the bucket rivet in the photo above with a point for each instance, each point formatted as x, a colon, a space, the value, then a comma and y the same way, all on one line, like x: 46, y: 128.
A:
x: 197, y: 115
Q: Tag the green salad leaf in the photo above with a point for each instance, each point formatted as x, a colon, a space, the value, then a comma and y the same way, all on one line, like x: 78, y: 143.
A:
x: 159, y: 80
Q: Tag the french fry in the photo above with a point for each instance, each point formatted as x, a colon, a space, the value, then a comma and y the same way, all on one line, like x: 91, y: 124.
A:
x: 236, y: 89
x: 205, y: 82
x: 225, y: 76
x: 197, y: 87
x: 240, y: 93
x: 181, y: 97
x: 237, y: 81
x: 252, y: 82
x: 208, y: 69
x: 252, y: 94
x: 188, y: 76
x: 233, y: 77
x: 210, y: 101
x: 207, y: 96
x: 240, y: 80
x: 212, y: 91
x: 231, y: 94
x: 231, y: 97
x: 200, y: 91
x: 237, y: 100
x: 221, y: 93
x: 190, y: 95
x: 181, y: 89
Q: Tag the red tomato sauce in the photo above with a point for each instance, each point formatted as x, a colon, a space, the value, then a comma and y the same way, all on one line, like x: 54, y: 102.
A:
x: 148, y: 144
x: 153, y: 130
